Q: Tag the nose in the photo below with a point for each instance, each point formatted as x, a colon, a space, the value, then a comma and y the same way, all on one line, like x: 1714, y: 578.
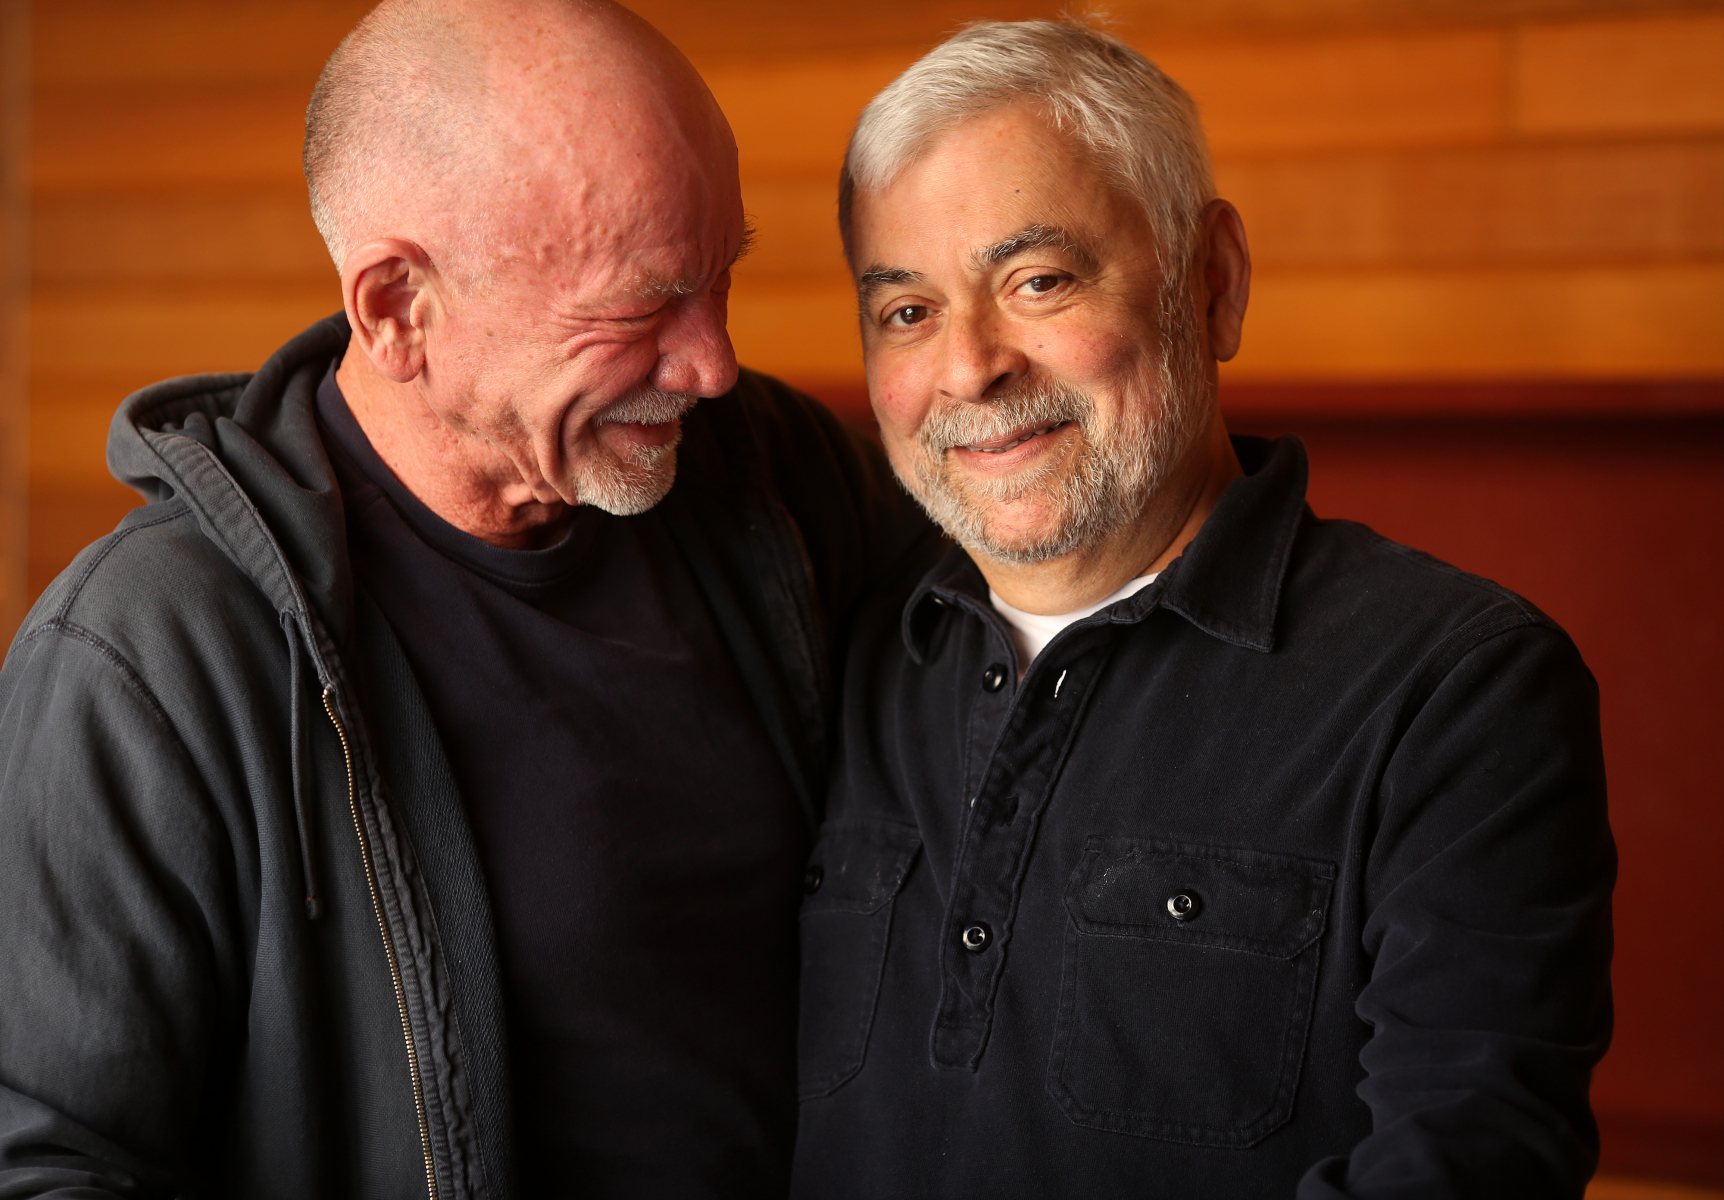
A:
x: 694, y: 351
x: 980, y: 360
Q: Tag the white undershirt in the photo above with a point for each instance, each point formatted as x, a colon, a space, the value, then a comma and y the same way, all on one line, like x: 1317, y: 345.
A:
x: 1031, y: 632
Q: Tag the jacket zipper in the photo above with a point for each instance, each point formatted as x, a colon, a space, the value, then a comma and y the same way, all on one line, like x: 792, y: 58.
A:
x: 388, y: 947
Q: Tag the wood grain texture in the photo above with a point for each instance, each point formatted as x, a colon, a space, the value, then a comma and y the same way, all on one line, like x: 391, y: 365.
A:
x: 155, y: 334
x: 1602, y: 321
x: 156, y: 135
x: 773, y: 29
x: 1549, y: 204
x: 246, y: 237
x: 15, y: 99
x: 1649, y: 75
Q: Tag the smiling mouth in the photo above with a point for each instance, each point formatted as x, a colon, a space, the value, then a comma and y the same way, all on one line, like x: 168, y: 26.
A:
x: 1000, y: 447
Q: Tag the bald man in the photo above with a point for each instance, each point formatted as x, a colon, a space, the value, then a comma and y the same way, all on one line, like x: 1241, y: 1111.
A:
x: 413, y: 798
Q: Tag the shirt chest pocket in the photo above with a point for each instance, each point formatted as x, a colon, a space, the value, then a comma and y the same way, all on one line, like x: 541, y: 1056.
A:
x: 854, y: 874
x: 1186, y: 990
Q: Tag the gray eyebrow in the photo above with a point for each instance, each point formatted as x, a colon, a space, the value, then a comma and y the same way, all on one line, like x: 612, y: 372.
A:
x: 875, y: 278
x: 1033, y: 237
x: 670, y: 289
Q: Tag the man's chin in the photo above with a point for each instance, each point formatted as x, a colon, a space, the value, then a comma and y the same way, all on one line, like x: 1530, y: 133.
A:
x: 631, y: 489
x: 1025, y: 530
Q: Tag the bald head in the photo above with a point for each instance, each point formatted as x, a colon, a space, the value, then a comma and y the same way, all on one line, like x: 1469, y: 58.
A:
x: 454, y: 122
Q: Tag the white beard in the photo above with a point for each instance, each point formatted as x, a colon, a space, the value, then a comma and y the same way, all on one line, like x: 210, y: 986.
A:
x: 1108, y: 484
x: 633, y: 484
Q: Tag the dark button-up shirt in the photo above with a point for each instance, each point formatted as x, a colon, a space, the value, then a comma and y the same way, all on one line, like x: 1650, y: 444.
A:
x: 1289, y: 874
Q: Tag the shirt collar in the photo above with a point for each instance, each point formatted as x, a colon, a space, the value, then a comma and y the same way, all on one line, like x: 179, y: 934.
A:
x: 1227, y: 582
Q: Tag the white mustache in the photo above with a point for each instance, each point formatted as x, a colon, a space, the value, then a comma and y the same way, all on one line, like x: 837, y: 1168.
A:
x: 646, y: 406
x: 1037, y: 406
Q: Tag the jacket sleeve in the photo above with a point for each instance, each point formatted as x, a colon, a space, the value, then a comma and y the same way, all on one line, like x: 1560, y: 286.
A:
x: 113, y: 972
x: 1487, y: 898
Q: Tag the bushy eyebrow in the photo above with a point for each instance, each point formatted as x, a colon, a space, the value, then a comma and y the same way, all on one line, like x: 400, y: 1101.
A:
x: 1034, y: 237
x: 670, y: 289
x: 877, y: 278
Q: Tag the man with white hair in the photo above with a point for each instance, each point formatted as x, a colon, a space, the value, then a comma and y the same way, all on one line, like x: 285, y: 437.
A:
x: 412, y: 799
x: 1181, y: 844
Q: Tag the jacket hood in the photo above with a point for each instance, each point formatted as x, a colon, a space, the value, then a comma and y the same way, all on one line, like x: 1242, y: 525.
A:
x: 243, y: 451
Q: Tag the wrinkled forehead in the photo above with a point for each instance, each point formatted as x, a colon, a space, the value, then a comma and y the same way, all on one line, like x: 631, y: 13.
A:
x: 641, y: 230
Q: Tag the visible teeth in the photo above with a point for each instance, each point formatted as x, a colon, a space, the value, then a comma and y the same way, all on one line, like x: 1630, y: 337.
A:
x: 1013, y: 445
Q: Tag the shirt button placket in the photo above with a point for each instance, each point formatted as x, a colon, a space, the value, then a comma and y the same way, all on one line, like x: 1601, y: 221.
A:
x: 994, y: 839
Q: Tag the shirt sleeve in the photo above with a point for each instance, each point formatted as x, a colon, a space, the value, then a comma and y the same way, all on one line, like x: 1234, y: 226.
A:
x: 113, y: 970
x: 1488, y: 925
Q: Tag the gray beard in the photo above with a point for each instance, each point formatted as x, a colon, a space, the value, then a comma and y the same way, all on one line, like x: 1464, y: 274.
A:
x: 636, y: 482
x: 1107, y: 485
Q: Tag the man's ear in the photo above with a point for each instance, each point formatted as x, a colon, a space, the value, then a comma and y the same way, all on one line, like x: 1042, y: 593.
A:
x: 1226, y: 276
x: 388, y: 288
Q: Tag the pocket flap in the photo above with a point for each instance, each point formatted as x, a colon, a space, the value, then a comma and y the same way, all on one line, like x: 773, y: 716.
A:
x: 858, y: 865
x: 1273, y: 904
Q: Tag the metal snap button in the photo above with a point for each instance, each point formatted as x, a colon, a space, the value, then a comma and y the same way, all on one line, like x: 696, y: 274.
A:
x: 812, y: 878
x: 1182, y: 906
x: 994, y: 678
x: 976, y: 938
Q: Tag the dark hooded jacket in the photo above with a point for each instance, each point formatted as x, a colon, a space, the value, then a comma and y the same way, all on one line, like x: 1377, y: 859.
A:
x: 246, y: 949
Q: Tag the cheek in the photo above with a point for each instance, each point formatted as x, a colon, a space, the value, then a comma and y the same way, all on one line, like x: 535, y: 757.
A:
x: 901, y: 403
x: 1094, y: 354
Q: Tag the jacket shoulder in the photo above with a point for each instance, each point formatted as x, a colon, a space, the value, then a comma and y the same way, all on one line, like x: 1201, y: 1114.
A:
x: 154, y: 589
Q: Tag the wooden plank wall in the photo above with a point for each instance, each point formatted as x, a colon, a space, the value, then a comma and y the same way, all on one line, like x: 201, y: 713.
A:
x: 1489, y: 238
x: 1531, y: 200
x: 14, y: 307
x: 1518, y: 198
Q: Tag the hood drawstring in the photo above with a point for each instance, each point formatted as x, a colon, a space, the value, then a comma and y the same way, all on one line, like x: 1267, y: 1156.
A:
x: 296, y: 736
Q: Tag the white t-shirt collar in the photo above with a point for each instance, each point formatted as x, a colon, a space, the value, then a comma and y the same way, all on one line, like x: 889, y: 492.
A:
x: 1031, y: 632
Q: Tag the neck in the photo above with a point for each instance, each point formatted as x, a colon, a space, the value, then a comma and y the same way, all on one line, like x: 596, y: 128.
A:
x: 1142, y: 547
x: 458, y: 476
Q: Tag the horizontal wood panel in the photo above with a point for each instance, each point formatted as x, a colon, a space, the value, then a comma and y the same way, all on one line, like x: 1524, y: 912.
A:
x: 1628, y: 321
x: 799, y: 331
x: 69, y: 421
x: 93, y: 138
x: 95, y: 40
x: 130, y: 237
x: 795, y: 221
x: 1397, y: 89
x: 101, y: 42
x: 153, y: 337
x: 797, y: 116
x: 1391, y: 89
x: 1560, y: 203
x: 1367, y: 89
x: 1647, y: 75
x: 1539, y: 204
x: 66, y: 518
